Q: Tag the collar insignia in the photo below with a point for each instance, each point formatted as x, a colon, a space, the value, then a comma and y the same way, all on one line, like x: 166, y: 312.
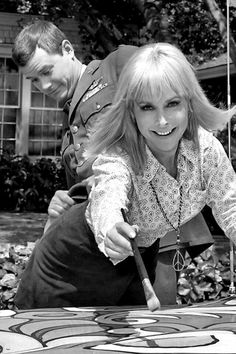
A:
x: 96, y: 86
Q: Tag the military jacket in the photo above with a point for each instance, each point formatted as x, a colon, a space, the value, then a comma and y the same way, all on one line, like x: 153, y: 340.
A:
x: 93, y: 95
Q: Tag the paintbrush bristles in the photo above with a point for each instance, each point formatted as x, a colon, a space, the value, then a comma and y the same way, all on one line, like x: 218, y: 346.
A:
x: 153, y: 302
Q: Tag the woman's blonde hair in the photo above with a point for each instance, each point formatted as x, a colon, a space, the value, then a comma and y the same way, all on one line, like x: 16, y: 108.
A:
x: 148, y: 72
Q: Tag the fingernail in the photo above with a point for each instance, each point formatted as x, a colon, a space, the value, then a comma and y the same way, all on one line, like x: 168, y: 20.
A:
x: 132, y: 234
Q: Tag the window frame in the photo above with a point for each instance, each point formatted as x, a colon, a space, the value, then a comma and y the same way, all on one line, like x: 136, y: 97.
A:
x: 23, y: 110
x: 5, y: 52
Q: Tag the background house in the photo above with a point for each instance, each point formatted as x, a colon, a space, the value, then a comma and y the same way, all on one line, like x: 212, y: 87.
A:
x: 30, y: 122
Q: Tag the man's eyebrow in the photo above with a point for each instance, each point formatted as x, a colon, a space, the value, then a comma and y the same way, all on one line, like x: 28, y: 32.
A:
x: 46, y: 66
x: 49, y: 66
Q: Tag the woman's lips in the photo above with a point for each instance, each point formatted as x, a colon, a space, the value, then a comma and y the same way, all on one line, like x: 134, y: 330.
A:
x: 165, y: 133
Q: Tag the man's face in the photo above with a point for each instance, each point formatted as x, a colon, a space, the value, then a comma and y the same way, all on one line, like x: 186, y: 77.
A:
x: 53, y: 74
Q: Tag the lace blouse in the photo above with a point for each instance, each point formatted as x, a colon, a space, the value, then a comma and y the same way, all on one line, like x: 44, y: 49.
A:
x: 206, y: 177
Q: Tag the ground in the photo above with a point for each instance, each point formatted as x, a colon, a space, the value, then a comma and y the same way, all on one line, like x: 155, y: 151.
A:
x: 18, y: 234
x: 20, y: 228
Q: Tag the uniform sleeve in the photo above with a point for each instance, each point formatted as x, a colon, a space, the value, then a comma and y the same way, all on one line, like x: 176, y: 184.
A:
x: 221, y: 188
x: 117, y: 59
x: 108, y: 196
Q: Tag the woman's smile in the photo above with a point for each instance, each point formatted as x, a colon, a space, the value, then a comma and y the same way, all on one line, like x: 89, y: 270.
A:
x: 164, y: 133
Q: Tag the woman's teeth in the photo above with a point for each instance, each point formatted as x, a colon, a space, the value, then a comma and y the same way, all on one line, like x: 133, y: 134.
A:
x: 164, y: 133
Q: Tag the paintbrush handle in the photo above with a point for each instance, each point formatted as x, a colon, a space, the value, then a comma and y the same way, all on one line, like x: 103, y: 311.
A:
x: 138, y: 259
x: 151, y: 298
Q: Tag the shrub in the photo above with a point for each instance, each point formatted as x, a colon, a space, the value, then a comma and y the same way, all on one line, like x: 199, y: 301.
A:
x: 27, y: 185
x: 206, y: 277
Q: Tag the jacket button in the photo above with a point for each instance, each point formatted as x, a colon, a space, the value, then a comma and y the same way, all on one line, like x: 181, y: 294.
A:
x: 74, y: 129
x: 98, y: 106
x: 77, y: 147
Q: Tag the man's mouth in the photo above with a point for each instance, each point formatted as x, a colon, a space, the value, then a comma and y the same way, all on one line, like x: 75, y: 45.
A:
x: 52, y: 93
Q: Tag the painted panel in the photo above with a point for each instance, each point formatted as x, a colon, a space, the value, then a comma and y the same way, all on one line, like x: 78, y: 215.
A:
x: 206, y: 328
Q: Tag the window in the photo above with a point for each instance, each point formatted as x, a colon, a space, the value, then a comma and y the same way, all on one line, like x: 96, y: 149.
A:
x: 9, y: 103
x: 45, y: 125
x: 30, y: 122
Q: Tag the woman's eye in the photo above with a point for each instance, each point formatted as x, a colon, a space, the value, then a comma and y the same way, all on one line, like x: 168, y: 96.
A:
x: 173, y: 103
x: 146, y: 107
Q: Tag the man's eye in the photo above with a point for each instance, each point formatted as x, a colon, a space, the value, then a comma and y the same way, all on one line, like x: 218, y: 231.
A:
x: 46, y: 73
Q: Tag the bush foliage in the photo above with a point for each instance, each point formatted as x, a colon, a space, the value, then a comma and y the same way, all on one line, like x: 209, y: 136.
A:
x: 206, y: 277
x: 27, y: 185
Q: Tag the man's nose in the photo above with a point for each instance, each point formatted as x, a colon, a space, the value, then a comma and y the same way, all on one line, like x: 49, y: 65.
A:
x: 45, y: 84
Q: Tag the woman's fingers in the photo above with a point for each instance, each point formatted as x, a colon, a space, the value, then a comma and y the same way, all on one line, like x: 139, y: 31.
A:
x: 117, y: 242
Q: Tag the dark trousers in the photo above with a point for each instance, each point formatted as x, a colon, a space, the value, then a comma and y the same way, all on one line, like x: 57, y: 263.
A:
x: 195, y: 238
x: 66, y: 268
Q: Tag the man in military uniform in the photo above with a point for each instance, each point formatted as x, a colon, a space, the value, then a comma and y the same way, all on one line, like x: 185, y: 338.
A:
x: 44, y: 54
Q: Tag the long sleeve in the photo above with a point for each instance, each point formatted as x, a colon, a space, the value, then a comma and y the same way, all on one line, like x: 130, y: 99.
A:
x: 221, y: 187
x: 109, y: 195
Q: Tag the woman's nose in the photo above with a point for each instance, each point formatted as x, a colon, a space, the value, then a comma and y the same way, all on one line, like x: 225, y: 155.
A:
x: 162, y: 120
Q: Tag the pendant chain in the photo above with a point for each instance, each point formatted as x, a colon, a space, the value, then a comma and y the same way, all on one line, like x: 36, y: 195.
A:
x: 178, y: 260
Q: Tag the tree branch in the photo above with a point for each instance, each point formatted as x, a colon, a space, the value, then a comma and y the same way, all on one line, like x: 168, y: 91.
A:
x: 221, y: 21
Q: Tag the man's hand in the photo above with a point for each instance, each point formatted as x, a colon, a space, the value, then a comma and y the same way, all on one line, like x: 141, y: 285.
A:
x: 117, y: 241
x: 59, y: 204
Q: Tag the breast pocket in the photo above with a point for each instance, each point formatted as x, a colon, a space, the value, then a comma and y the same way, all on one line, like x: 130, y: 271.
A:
x: 96, y: 105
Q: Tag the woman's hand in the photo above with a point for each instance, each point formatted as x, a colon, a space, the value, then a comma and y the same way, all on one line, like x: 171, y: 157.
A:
x: 117, y: 241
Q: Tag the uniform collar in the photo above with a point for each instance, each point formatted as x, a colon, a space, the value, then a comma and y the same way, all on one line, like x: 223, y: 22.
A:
x: 83, y: 84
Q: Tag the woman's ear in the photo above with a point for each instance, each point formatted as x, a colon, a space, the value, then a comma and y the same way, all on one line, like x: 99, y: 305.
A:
x: 67, y: 49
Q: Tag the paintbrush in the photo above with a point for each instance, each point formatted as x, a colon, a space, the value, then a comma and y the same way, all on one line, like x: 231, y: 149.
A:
x: 153, y: 302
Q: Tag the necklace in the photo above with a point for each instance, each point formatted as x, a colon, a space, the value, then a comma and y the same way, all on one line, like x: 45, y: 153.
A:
x: 178, y: 262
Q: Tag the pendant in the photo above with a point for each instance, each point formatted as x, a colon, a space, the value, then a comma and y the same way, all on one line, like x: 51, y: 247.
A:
x: 178, y: 262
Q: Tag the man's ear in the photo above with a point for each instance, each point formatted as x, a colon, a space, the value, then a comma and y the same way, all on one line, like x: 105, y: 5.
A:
x: 67, y: 48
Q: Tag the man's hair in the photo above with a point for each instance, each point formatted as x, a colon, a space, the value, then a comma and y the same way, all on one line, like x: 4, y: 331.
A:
x: 42, y: 34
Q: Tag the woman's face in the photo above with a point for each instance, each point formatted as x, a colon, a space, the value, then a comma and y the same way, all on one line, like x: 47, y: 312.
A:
x: 162, y: 121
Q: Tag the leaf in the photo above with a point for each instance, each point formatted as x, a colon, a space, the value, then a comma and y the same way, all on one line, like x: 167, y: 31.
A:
x: 8, y: 280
